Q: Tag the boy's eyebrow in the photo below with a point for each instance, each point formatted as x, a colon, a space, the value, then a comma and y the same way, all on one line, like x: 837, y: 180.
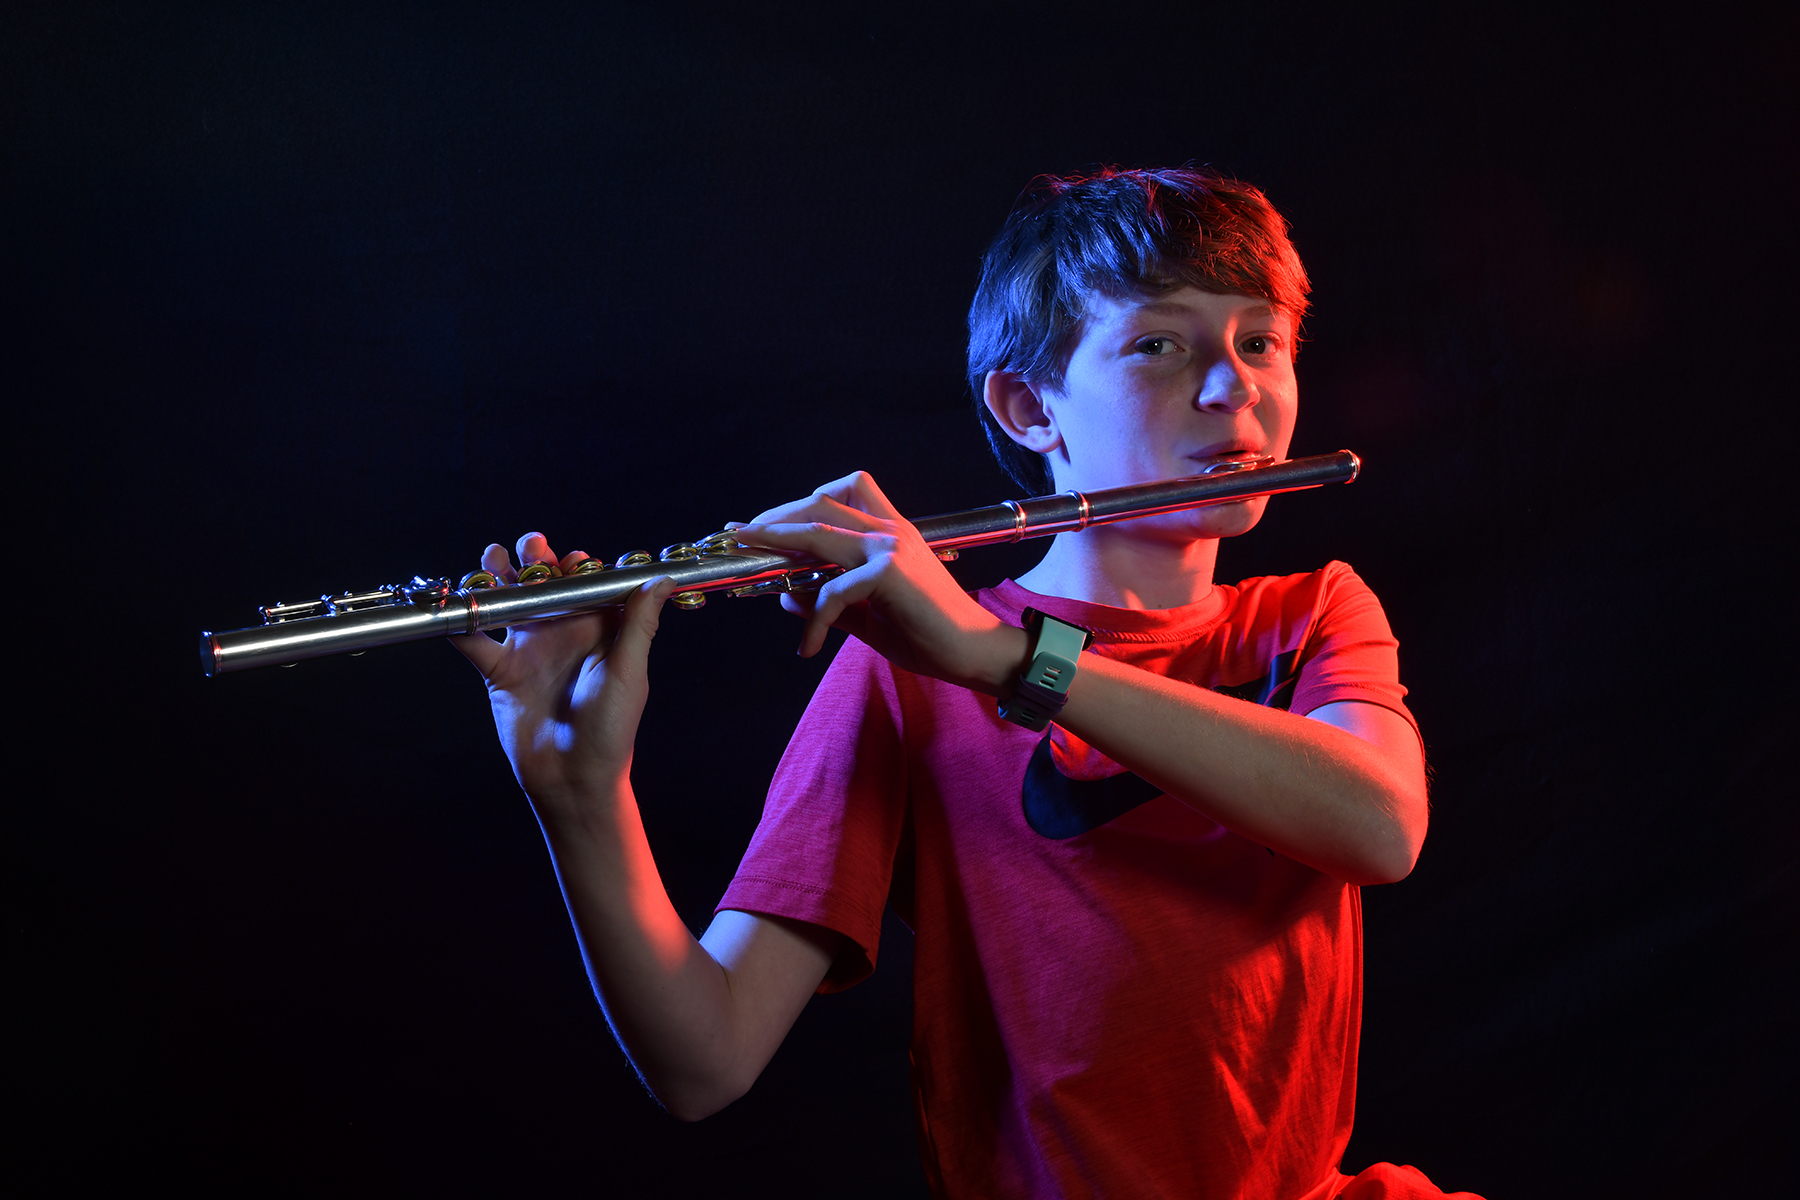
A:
x: 1177, y: 308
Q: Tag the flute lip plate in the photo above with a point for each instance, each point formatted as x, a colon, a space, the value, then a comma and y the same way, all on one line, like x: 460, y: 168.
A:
x: 1237, y: 464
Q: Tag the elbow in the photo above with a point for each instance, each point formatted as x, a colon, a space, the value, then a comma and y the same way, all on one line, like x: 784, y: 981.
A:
x: 691, y: 1109
x: 1390, y: 864
x: 693, y: 1099
x: 1368, y: 863
x: 1392, y: 853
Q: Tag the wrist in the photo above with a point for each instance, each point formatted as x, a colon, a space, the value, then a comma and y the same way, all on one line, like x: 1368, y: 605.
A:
x: 1003, y: 654
x: 583, y: 804
x: 1042, y: 688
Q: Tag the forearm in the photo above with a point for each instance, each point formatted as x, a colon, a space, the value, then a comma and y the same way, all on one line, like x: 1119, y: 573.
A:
x: 1348, y: 803
x: 1312, y: 792
x: 672, y: 1005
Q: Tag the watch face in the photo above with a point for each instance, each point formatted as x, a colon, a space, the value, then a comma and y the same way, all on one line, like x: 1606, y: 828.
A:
x: 1043, y: 685
x: 1061, y: 641
x: 1033, y: 622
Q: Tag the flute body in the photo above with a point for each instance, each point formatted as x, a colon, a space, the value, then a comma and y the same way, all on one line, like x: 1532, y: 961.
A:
x: 427, y: 608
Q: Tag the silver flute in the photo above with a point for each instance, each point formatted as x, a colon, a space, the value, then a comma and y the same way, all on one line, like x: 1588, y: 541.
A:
x: 428, y: 608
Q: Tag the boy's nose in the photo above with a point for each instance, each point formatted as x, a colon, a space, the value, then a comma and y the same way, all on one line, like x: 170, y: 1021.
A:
x: 1226, y: 388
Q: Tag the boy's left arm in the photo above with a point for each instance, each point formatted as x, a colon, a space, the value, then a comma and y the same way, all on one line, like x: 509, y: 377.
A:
x: 1341, y: 789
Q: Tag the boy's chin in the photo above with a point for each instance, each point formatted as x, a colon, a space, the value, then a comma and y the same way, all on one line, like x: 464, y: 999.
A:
x: 1197, y: 524
x: 1231, y: 520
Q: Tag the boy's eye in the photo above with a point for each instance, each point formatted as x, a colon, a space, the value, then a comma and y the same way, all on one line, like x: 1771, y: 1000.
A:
x: 1258, y: 346
x: 1156, y: 346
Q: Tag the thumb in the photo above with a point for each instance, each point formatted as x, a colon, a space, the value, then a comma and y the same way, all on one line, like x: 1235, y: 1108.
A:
x: 638, y: 624
x: 479, y: 649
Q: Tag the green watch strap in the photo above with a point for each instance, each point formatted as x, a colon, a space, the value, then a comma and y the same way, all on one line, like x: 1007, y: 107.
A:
x: 1044, y: 685
x: 1053, y: 654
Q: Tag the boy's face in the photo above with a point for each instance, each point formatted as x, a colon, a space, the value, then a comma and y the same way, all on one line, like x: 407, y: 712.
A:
x: 1166, y: 386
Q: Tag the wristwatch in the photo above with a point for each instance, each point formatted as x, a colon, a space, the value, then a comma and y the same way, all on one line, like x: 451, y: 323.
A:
x: 1043, y: 688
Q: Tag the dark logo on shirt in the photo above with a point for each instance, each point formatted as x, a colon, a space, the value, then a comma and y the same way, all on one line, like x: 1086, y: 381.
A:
x: 1059, y: 807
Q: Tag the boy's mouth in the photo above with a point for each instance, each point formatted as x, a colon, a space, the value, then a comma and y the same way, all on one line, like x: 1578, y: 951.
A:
x: 1209, y: 458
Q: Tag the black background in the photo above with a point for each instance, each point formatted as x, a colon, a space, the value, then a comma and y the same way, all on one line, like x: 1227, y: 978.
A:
x: 302, y: 298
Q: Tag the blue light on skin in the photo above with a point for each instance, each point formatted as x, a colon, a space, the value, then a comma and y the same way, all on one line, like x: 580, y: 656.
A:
x: 1156, y: 388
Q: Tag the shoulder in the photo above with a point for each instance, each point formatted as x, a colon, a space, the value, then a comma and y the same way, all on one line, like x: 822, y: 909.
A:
x: 1335, y: 578
x: 1334, y: 591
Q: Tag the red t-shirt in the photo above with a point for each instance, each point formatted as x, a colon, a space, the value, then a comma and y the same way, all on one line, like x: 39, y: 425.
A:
x: 1134, y: 1004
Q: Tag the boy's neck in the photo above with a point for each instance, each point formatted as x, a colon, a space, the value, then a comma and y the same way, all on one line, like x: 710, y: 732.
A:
x: 1102, y: 566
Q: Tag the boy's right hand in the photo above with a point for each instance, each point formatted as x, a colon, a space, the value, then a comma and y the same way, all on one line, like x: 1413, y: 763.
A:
x: 698, y: 1021
x: 894, y: 593
x: 567, y: 694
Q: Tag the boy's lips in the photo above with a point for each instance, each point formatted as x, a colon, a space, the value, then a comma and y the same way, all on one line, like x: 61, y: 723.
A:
x: 1210, y: 456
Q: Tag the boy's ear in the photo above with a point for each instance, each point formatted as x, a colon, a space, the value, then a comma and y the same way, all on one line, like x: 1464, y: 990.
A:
x: 1019, y: 408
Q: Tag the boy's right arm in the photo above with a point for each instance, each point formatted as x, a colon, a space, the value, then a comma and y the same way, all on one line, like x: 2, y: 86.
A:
x: 698, y: 1019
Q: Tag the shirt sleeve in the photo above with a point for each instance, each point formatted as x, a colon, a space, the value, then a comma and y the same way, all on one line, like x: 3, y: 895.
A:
x: 1350, y: 652
x: 824, y: 850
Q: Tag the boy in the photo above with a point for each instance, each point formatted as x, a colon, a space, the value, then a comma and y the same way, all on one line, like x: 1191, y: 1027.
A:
x: 1138, y: 944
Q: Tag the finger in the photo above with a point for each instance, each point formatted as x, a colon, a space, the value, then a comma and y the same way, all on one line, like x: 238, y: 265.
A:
x: 838, y: 546
x: 534, y: 548
x: 805, y: 509
x: 571, y: 560
x: 799, y: 603
x: 852, y: 587
x: 858, y: 490
x: 822, y: 506
x: 638, y: 625
x: 498, y: 563
x: 479, y: 649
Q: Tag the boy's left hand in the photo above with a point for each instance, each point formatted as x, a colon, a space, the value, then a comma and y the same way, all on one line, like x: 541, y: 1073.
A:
x: 894, y: 594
